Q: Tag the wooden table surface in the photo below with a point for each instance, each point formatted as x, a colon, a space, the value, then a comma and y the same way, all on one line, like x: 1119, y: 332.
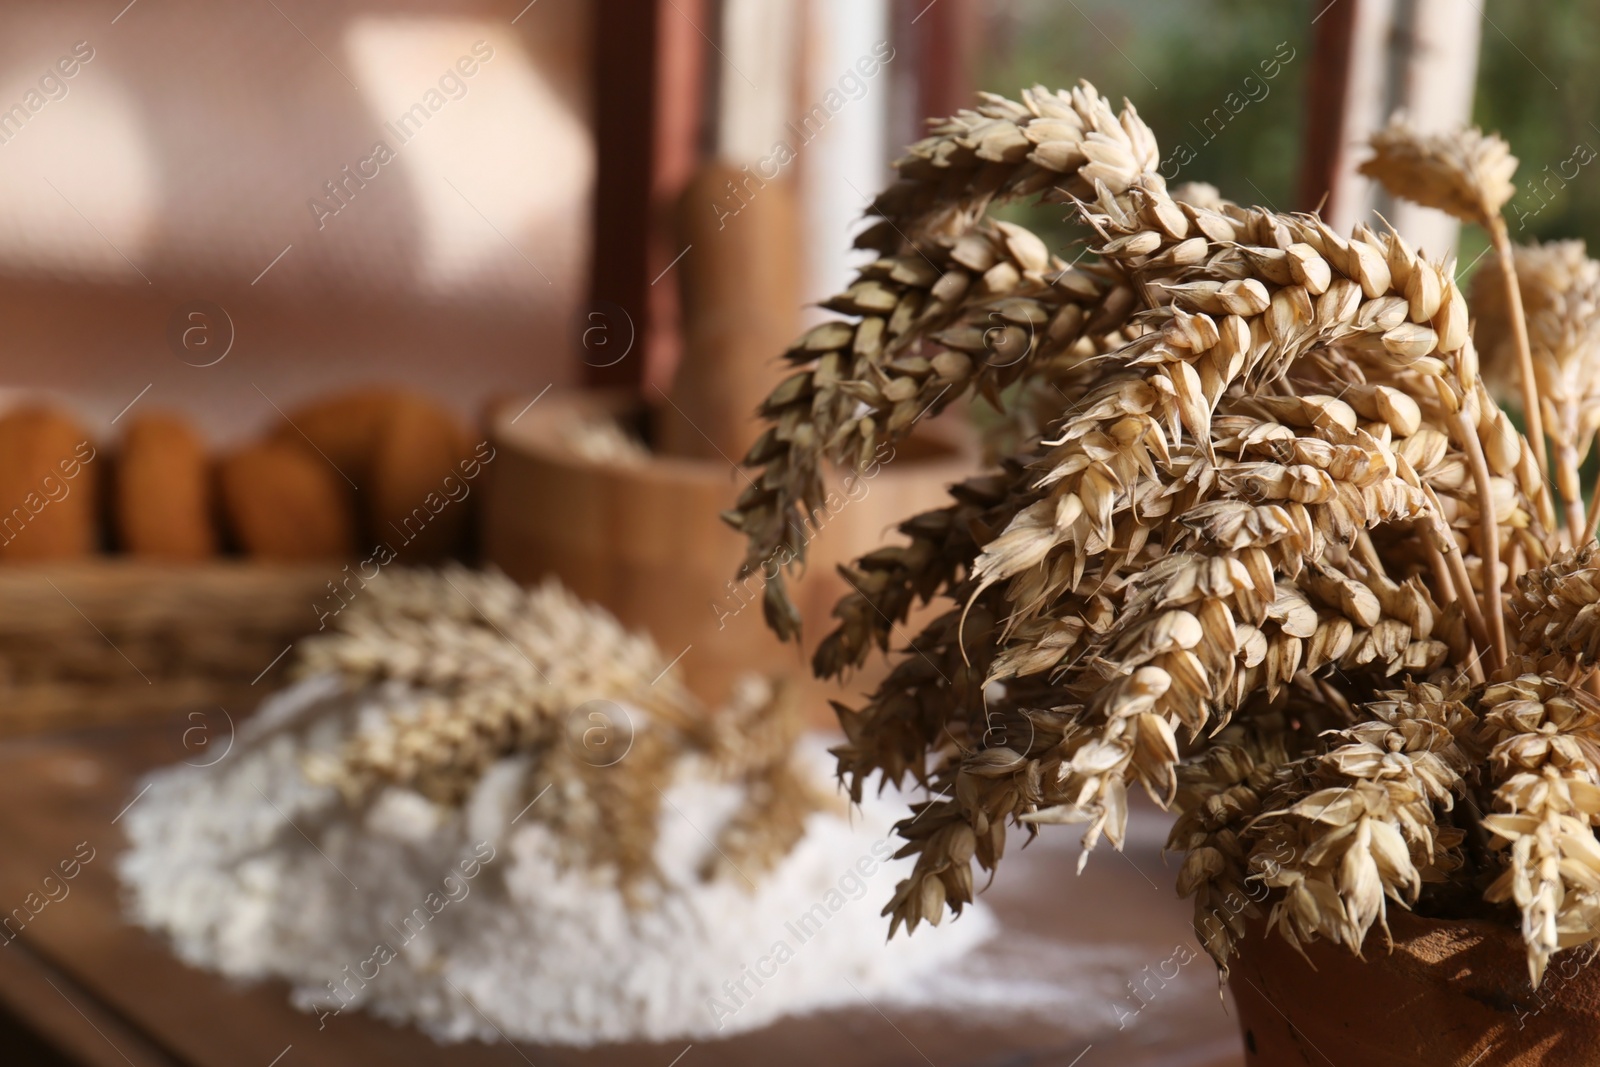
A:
x: 97, y: 991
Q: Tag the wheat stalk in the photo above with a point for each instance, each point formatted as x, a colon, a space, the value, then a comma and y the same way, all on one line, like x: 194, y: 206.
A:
x: 1560, y: 289
x: 1468, y: 175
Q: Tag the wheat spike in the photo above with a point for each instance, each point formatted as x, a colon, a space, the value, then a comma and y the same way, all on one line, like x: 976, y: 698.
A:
x: 1462, y: 173
x: 1546, y: 762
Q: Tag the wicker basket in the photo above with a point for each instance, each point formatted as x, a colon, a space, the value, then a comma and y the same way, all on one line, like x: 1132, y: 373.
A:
x: 114, y: 640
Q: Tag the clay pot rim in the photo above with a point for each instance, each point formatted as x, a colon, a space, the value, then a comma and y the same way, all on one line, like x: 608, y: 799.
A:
x: 537, y: 433
x: 1425, y: 925
x: 1438, y: 950
x: 1406, y: 927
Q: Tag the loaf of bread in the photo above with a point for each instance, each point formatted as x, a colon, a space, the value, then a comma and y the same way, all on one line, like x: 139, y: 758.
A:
x: 49, y: 499
x: 411, y: 505
x: 286, y: 503
x: 344, y: 428
x: 398, y: 448
x: 162, y: 505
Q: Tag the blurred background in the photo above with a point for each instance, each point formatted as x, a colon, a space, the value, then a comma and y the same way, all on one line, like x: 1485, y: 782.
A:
x: 275, y: 272
x: 180, y: 162
x: 1510, y: 68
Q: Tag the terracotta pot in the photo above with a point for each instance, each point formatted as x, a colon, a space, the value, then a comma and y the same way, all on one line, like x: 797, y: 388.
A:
x: 1450, y: 993
x: 646, y: 541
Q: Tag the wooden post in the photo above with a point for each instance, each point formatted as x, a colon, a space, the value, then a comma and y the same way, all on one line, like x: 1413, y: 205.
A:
x: 945, y: 39
x: 740, y: 280
x: 648, y: 62
x: 1325, y: 108
x: 1370, y: 59
x: 1437, y: 79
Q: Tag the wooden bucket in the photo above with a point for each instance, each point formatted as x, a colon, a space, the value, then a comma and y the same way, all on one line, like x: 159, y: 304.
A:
x: 646, y: 541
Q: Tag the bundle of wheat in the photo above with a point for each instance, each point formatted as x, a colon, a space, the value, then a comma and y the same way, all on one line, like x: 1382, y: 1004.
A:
x: 494, y: 670
x: 1275, y: 555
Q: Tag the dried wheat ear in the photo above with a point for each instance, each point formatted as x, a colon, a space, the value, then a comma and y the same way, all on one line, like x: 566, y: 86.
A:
x: 492, y: 670
x: 1268, y: 546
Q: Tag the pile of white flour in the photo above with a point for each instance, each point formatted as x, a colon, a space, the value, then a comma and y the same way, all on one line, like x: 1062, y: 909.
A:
x: 465, y: 923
